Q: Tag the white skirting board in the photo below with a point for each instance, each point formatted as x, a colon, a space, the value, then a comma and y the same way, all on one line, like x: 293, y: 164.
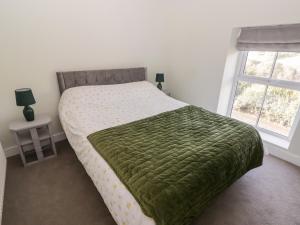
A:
x: 2, y: 179
x: 282, y: 153
x: 13, y: 150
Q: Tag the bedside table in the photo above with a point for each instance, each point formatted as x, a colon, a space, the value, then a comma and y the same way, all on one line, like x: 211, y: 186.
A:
x: 34, y: 139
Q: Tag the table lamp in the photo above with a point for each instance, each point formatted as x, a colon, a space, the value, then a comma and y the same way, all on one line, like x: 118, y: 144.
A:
x: 24, y: 97
x: 159, y: 78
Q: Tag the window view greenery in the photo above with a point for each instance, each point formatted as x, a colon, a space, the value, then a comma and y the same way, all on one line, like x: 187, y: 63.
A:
x: 259, y: 63
x: 266, y: 95
x: 287, y: 66
x: 279, y: 110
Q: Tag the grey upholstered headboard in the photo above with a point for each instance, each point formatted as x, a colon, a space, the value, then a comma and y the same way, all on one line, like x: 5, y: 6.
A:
x: 99, y: 77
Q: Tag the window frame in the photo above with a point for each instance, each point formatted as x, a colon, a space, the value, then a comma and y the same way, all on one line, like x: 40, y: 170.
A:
x: 240, y: 76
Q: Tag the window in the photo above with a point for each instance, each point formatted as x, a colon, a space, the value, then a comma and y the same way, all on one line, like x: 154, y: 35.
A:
x: 266, y: 91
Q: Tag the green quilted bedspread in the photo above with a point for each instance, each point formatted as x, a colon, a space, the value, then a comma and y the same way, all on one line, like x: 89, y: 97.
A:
x: 176, y: 162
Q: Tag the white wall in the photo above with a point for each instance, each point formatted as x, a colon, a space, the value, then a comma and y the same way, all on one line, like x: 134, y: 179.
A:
x: 39, y: 38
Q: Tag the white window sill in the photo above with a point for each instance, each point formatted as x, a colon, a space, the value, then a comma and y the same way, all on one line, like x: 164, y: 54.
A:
x: 280, y: 142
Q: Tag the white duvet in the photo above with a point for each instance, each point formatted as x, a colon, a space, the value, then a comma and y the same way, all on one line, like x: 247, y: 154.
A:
x: 87, y: 109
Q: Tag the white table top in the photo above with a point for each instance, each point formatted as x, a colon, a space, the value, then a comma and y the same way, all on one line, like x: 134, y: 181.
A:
x: 22, y: 124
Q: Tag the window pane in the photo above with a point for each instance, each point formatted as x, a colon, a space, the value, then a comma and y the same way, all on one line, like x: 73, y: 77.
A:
x: 248, y: 102
x: 279, y: 110
x: 287, y: 66
x: 259, y: 64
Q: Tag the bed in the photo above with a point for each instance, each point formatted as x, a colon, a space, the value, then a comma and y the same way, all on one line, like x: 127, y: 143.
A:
x: 118, y: 111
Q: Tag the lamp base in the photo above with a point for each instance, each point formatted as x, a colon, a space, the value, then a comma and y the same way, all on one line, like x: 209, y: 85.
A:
x: 28, y: 113
x: 159, y: 86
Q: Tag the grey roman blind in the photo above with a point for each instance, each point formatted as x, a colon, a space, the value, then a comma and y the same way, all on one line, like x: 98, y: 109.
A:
x: 285, y: 38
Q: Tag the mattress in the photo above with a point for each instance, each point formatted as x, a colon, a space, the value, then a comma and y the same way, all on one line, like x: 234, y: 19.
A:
x: 87, y: 109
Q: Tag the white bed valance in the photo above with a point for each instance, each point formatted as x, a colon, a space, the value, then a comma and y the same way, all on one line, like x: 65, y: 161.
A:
x: 284, y: 38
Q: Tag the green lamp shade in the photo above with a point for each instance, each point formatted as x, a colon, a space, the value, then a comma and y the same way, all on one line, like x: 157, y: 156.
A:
x: 160, y: 77
x: 24, y: 97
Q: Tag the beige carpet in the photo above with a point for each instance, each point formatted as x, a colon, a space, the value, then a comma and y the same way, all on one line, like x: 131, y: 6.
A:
x: 59, y: 192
